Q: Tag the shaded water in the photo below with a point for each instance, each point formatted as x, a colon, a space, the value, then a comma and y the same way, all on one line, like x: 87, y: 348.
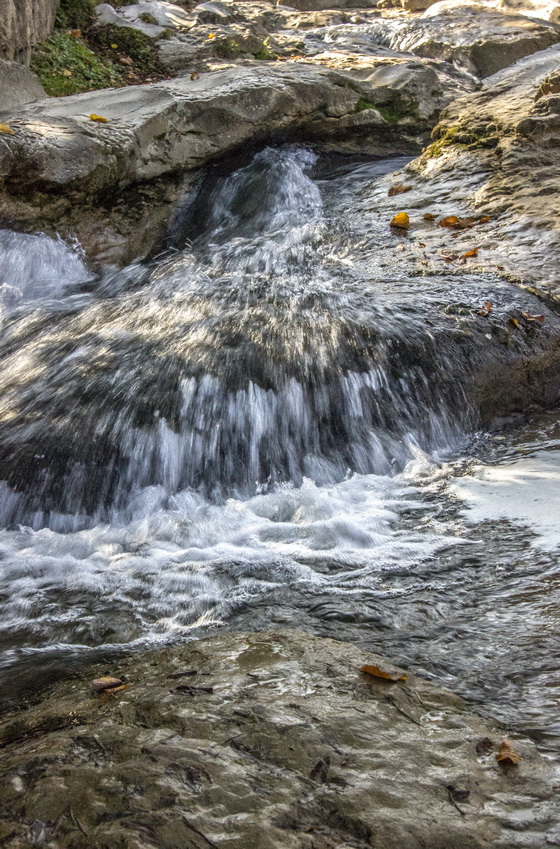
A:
x: 260, y: 428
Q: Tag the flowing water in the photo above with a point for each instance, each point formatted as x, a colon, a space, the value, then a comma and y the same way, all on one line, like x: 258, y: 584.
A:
x: 265, y: 425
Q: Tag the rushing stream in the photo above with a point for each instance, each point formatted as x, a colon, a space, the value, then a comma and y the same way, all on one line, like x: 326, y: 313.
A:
x: 260, y: 428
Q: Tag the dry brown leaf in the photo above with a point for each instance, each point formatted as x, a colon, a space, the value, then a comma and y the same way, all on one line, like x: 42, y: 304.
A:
x: 386, y: 672
x: 529, y: 317
x: 195, y: 76
x: 449, y: 221
x: 99, y: 118
x: 468, y: 254
x: 66, y: 73
x: 429, y: 217
x: 399, y: 189
x: 484, y: 219
x: 401, y: 220
x: 507, y: 754
x: 107, y: 682
x: 5, y: 128
x: 485, y: 310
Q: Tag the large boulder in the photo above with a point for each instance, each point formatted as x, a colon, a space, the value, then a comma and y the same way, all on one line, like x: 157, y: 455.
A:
x: 23, y: 24
x: 475, y: 38
x: 548, y: 10
x: 495, y: 153
x: 266, y: 740
x: 158, y: 131
x: 18, y: 86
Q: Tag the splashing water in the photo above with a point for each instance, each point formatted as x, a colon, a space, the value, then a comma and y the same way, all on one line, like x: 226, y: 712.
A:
x: 248, y: 431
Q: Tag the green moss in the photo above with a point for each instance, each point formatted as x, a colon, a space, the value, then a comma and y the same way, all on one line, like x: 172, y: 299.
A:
x: 362, y: 105
x: 75, y: 14
x: 265, y: 53
x: 129, y: 41
x: 65, y: 65
x: 462, y: 139
x: 227, y: 48
x: 148, y: 19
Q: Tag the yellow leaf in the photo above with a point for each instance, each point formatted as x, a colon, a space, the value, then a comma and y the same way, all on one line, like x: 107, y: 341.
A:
x: 212, y: 35
x: 115, y: 46
x: 512, y: 320
x: 386, y: 672
x: 401, y: 220
x: 99, y: 118
x: 399, y: 189
x: 474, y: 252
x: 66, y: 73
x: 507, y: 754
x: 5, y: 128
x: 529, y: 317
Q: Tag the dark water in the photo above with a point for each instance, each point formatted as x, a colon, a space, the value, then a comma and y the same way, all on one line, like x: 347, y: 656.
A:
x: 259, y: 428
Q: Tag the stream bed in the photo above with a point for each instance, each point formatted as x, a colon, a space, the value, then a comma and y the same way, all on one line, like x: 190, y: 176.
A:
x: 259, y: 428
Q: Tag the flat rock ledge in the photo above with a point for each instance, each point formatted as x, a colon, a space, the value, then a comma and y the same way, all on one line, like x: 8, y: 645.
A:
x: 266, y: 741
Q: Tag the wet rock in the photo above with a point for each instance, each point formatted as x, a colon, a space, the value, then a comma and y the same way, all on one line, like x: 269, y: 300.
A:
x: 106, y: 15
x: 293, y: 748
x: 18, y: 86
x: 494, y: 153
x: 169, y: 127
x: 479, y: 40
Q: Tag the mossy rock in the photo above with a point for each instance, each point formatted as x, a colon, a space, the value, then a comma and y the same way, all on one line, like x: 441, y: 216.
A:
x: 65, y: 65
x: 137, y: 45
x: 75, y: 14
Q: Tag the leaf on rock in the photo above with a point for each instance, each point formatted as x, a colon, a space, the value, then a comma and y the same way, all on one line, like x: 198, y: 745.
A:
x: 99, y: 118
x: 507, y: 754
x: 212, y: 35
x: 108, y: 684
x: 5, y: 128
x: 428, y: 216
x: 529, y: 317
x: 195, y: 76
x: 192, y: 691
x: 484, y: 219
x: 399, y: 189
x: 386, y: 672
x: 485, y: 310
x: 449, y: 221
x: 513, y: 320
x: 401, y: 221
x: 468, y: 254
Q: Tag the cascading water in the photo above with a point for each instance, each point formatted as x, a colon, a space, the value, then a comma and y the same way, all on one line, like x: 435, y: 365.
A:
x: 238, y: 432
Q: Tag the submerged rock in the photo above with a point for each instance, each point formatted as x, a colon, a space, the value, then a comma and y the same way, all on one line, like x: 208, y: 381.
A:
x: 266, y: 740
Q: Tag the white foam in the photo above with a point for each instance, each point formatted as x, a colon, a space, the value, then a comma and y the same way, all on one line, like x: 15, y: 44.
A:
x: 525, y: 491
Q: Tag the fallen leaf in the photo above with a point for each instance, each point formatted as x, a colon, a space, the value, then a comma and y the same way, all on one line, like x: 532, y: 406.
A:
x: 484, y: 219
x: 468, y: 254
x: 399, y: 189
x: 195, y: 76
x: 107, y: 682
x: 5, y: 128
x: 212, y: 35
x: 429, y: 217
x: 421, y: 244
x: 99, y: 118
x: 115, y: 46
x: 507, y: 754
x: 186, y: 674
x: 401, y: 220
x: 386, y: 672
x: 66, y: 73
x: 528, y: 317
x: 449, y: 221
x: 485, y: 310
x: 501, y: 267
x: 512, y: 320
x: 74, y: 33
x: 192, y: 691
